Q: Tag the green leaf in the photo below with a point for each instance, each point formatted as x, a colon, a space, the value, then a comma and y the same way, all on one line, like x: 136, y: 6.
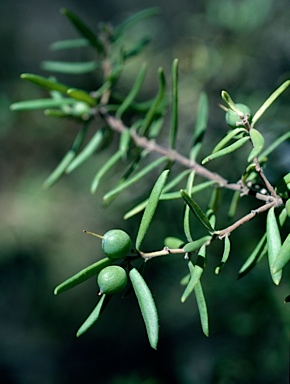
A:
x: 274, y: 243
x: 283, y: 256
x: 197, y: 244
x: 40, y: 104
x: 137, y: 48
x: 174, y: 105
x: 231, y: 148
x: 226, y: 253
x: 185, y: 280
x: 133, y: 92
x: 200, y: 125
x: 67, y: 159
x: 151, y: 207
x: 155, y: 104
x: 234, y: 203
x: 274, y: 145
x: 228, y: 100
x: 70, y: 67
x: 138, y: 176
x: 197, y: 211
x: 135, y: 18
x: 283, y: 186
x: 195, y: 276
x: 258, y: 143
x: 201, y: 303
x: 186, y: 218
x: 270, y: 101
x: 173, y: 242
x: 104, y: 169
x: 83, y: 275
x: 81, y: 95
x: 43, y: 82
x: 69, y: 44
x: 287, y: 206
x: 147, y: 306
x: 84, y: 30
x: 140, y: 207
x: 90, y: 321
x: 258, y: 253
x: 232, y: 134
x: 87, y: 152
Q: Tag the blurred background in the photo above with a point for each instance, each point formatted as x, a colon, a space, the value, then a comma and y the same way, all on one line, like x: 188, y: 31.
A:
x: 241, y: 46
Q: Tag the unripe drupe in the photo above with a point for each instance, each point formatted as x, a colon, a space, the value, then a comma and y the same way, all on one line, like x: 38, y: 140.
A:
x: 232, y: 118
x: 116, y: 243
x: 112, y: 279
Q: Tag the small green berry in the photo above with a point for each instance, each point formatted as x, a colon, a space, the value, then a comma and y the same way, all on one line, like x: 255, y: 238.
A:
x: 232, y: 118
x: 81, y: 109
x: 116, y: 244
x: 112, y: 279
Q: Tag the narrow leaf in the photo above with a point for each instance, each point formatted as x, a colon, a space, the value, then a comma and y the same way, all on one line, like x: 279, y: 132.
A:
x: 174, y: 104
x: 83, y: 275
x: 151, y: 207
x: 137, y: 48
x: 154, y: 106
x: 287, y: 206
x: 274, y: 145
x: 270, y: 101
x: 186, y: 218
x: 80, y: 95
x: 140, y: 207
x: 234, y: 203
x: 147, y: 306
x: 226, y: 253
x: 43, y: 82
x: 40, y: 104
x: 104, y: 169
x: 232, y: 134
x: 68, y: 158
x: 257, y: 254
x: 283, y: 256
x: 138, y: 176
x: 228, y: 100
x: 135, y: 18
x: 71, y: 68
x: 258, y: 143
x: 200, y: 125
x: 87, y: 152
x: 90, y: 321
x: 84, y: 30
x: 231, y: 148
x: 133, y: 92
x: 201, y: 303
x: 197, y: 211
x: 274, y: 243
x: 197, y: 244
x: 173, y: 242
x: 69, y: 44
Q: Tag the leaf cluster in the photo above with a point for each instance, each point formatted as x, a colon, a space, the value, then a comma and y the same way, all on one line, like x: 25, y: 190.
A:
x: 138, y: 126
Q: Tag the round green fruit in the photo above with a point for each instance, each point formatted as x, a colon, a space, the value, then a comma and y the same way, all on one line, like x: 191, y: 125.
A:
x: 112, y: 279
x: 116, y: 244
x: 232, y: 118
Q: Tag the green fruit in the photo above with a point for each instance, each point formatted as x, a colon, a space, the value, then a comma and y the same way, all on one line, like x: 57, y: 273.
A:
x: 116, y: 243
x: 81, y: 109
x: 232, y: 118
x: 112, y: 279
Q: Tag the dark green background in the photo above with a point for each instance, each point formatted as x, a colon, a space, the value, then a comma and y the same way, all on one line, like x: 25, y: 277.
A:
x: 239, y: 46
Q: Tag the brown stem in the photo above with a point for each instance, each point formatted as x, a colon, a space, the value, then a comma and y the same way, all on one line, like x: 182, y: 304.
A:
x: 227, y: 231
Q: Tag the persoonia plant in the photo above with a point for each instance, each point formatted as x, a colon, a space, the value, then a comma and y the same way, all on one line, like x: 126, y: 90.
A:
x: 138, y: 125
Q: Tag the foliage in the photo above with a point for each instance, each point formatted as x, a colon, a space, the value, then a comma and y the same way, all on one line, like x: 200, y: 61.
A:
x: 138, y: 126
